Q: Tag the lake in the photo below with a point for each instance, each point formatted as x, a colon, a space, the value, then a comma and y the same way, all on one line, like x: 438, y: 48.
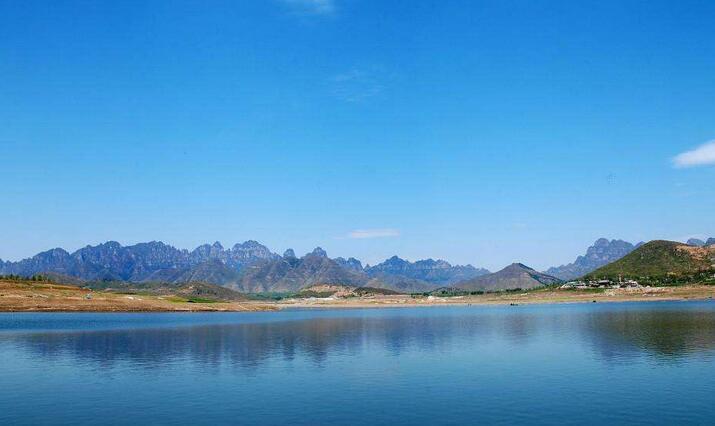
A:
x: 645, y: 363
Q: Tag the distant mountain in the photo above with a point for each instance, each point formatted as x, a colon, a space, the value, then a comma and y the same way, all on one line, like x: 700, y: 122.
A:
x: 657, y: 260
x: 602, y: 252
x: 151, y: 261
x: 350, y: 263
x: 513, y: 276
x: 290, y: 274
x: 710, y: 242
x: 435, y: 273
x: 695, y: 242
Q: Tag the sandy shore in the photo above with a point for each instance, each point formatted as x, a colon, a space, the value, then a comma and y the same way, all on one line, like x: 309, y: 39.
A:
x: 44, y: 297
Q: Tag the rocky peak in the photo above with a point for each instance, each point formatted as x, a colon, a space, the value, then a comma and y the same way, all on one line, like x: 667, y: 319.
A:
x: 696, y: 242
x: 433, y: 272
x: 395, y: 261
x: 516, y: 266
x: 319, y: 252
x: 601, y: 242
x: 350, y: 263
x: 111, y: 245
x: 289, y: 254
x: 250, y: 245
x: 599, y: 254
x: 54, y: 253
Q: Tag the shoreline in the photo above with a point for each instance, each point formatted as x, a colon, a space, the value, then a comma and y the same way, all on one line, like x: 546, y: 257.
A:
x: 18, y: 297
x: 534, y: 297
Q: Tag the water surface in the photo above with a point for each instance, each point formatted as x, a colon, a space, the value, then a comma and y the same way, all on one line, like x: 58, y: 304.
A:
x: 645, y: 363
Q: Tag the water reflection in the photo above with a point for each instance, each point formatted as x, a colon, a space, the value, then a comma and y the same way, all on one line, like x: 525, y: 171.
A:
x: 250, y: 345
x: 612, y: 333
x: 665, y: 334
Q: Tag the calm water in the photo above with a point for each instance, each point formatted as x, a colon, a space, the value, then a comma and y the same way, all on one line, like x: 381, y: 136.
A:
x: 649, y: 363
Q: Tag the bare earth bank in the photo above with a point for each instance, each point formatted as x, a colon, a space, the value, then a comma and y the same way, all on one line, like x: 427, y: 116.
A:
x: 45, y: 297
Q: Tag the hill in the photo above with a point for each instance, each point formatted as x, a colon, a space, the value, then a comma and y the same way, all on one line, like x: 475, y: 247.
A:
x: 337, y: 290
x: 660, y: 261
x: 514, y: 276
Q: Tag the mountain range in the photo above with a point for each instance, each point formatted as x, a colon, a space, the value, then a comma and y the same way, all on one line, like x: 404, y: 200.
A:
x: 246, y: 267
x: 153, y: 261
x: 251, y: 267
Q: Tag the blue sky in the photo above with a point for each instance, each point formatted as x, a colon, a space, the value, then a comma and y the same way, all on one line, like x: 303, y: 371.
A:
x: 478, y: 132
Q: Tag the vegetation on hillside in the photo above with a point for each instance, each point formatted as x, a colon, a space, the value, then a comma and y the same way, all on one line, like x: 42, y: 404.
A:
x: 661, y: 263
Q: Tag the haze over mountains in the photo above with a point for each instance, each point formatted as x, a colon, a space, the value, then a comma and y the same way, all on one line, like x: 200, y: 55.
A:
x: 251, y: 267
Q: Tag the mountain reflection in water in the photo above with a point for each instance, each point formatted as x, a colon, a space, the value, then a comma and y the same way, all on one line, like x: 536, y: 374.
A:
x: 612, y: 333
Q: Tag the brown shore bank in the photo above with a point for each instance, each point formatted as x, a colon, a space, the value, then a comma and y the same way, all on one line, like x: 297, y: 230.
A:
x: 49, y: 297
x: 27, y: 296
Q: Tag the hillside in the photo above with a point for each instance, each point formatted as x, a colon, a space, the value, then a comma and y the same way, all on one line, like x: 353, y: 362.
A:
x: 43, y: 296
x: 513, y: 276
x: 337, y: 290
x: 658, y: 260
x: 192, y: 290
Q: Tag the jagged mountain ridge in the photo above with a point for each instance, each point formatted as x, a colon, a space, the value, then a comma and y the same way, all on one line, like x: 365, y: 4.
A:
x: 434, y: 272
x: 249, y: 266
x: 290, y: 274
x: 111, y: 261
x: 601, y: 253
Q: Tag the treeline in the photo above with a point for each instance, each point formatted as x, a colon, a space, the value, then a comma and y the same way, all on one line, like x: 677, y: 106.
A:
x: 33, y: 278
x: 702, y: 277
x: 451, y: 292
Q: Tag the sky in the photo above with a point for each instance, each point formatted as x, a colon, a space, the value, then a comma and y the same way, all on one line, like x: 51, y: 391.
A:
x: 482, y: 132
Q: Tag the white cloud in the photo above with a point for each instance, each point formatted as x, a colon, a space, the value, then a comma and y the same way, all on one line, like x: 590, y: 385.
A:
x: 373, y: 233
x: 312, y: 7
x: 701, y: 156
